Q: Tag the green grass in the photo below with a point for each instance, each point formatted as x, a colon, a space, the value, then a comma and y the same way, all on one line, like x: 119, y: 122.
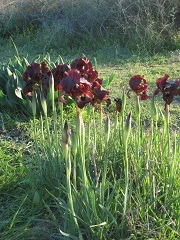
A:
x: 113, y: 183
x: 19, y: 212
x: 29, y: 211
x: 152, y: 68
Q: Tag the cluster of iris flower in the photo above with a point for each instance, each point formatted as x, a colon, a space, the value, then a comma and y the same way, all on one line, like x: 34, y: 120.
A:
x: 37, y: 77
x: 80, y: 81
x: 169, y: 89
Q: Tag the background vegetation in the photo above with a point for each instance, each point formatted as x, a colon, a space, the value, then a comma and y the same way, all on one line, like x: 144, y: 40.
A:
x: 127, y: 37
x: 80, y: 25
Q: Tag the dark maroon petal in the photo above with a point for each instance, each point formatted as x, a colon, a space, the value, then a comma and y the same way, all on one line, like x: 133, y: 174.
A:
x: 175, y: 87
x: 25, y: 76
x: 83, y: 100
x: 69, y: 82
x: 108, y: 102
x: 58, y: 75
x: 80, y: 89
x: 118, y: 104
x: 161, y: 82
x: 84, y: 85
x: 100, y: 81
x: 96, y: 84
x: 138, y: 84
x: 100, y: 93
x: 144, y: 96
x: 57, y: 86
x: 28, y: 89
x: 34, y: 70
x: 167, y: 97
x: 45, y: 74
x: 93, y: 102
x: 33, y: 73
x: 81, y: 64
x: 168, y: 89
x: 37, y: 76
x: 91, y: 75
x: 44, y: 69
x: 59, y: 70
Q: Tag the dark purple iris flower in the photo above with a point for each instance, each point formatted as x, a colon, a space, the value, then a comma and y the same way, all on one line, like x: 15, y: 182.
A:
x: 138, y: 84
x: 99, y: 92
x: 80, y: 81
x: 59, y: 72
x: 82, y: 64
x: 168, y: 89
x: 69, y: 82
x: 84, y: 99
x: 36, y: 76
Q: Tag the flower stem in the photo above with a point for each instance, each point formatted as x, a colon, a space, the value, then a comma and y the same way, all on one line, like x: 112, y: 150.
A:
x: 167, y: 117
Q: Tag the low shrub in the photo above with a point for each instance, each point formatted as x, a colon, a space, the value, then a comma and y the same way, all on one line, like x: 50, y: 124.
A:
x: 139, y: 24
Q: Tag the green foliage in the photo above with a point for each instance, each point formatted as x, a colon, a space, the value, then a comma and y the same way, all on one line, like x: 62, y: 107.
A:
x: 11, y: 86
x: 103, y: 182
x: 108, y: 80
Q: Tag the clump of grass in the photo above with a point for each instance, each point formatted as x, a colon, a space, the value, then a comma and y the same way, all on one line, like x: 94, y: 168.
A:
x: 114, y: 183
